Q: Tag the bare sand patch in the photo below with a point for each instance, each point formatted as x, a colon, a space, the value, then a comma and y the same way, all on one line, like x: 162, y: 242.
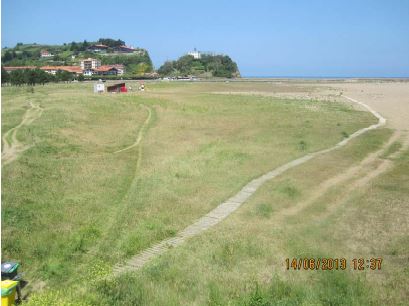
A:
x: 391, y: 99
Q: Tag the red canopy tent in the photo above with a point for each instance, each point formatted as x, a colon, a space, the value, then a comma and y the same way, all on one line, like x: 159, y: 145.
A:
x: 120, y: 87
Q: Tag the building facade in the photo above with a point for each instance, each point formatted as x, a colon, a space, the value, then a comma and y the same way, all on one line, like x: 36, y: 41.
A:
x: 90, y: 63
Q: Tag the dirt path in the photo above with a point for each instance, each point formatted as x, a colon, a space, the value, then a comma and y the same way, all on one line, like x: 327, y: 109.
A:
x: 226, y: 208
x: 12, y: 148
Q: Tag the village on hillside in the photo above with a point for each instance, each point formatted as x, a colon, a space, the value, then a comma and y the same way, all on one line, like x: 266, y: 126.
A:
x: 86, y: 67
x: 105, y: 57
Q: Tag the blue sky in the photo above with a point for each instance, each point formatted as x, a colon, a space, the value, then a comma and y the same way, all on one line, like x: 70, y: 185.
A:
x: 265, y: 38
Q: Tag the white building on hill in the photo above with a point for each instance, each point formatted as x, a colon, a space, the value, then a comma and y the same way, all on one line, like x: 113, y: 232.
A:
x: 195, y: 53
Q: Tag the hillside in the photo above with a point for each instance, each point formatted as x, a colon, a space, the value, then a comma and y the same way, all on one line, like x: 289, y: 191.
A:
x: 136, y: 60
x: 204, y: 66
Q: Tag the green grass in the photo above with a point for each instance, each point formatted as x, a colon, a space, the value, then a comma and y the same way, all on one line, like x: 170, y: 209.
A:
x: 72, y: 209
x: 396, y: 146
x: 241, y: 261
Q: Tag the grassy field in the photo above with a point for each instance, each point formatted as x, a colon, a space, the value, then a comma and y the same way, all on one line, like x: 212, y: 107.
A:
x: 72, y: 207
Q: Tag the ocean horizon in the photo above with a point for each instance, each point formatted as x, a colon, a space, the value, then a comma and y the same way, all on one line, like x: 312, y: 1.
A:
x: 320, y: 77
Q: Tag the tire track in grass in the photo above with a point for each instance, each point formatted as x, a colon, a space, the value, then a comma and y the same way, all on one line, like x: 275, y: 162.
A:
x: 137, y: 144
x: 223, y: 210
x: 12, y: 147
x: 348, y: 174
x: 141, y: 131
x: 382, y: 166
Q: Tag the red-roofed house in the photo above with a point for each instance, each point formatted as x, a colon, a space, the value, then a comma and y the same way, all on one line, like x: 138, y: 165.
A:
x: 72, y: 69
x: 120, y: 68
x: 124, y: 49
x: 106, y: 70
x: 54, y: 69
x: 97, y: 48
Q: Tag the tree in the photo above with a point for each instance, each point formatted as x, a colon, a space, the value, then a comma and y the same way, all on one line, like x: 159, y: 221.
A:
x: 29, y: 77
x: 43, y: 77
x: 141, y: 68
x: 111, y: 42
x: 17, y: 77
x: 167, y: 68
x: 64, y: 76
x: 74, y: 46
x: 58, y: 58
x: 184, y: 64
x: 5, y: 77
x: 8, y: 56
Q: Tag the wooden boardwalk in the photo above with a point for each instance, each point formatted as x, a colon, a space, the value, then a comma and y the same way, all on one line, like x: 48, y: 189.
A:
x: 223, y: 210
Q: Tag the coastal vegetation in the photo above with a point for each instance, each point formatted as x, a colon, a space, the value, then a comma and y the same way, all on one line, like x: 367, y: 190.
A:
x: 206, y: 66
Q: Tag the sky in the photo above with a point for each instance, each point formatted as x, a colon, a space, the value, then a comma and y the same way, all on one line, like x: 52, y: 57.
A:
x: 317, y: 38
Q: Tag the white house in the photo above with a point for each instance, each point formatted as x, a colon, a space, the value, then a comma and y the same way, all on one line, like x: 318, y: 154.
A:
x: 88, y: 72
x: 45, y: 53
x: 120, y: 68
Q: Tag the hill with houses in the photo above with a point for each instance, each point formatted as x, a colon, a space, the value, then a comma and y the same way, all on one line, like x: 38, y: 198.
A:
x: 106, y: 57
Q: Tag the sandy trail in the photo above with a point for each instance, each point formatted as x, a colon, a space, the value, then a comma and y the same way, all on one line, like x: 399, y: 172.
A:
x: 226, y: 208
x: 12, y: 147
